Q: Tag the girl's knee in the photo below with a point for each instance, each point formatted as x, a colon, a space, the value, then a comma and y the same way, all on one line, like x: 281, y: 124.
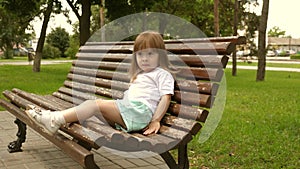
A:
x: 90, y: 105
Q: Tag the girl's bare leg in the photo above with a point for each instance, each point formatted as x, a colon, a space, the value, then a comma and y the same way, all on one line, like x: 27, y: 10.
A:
x: 106, y: 109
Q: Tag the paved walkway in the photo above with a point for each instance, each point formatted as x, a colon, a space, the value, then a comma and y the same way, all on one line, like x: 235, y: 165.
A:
x: 267, y: 68
x: 43, y: 62
x: 38, y: 153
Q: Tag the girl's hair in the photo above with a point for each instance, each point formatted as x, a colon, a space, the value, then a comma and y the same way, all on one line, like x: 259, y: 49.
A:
x: 153, y: 40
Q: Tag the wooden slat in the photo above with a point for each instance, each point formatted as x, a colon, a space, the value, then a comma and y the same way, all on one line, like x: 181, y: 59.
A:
x: 77, y: 94
x: 106, y: 92
x: 196, y: 86
x: 100, y: 73
x: 113, y: 57
x: 59, y: 102
x: 196, y: 60
x: 188, y: 112
x: 152, y: 143
x: 190, y: 60
x: 17, y: 100
x: 36, y: 99
x: 234, y: 39
x: 176, y: 48
x: 189, y: 98
x: 187, y: 125
x: 201, y: 73
x: 174, y: 133
x: 102, y: 65
x: 84, y: 134
x: 112, y: 135
x: 100, y: 82
x: 68, y: 98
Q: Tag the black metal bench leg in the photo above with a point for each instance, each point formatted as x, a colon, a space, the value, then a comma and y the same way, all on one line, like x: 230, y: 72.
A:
x: 169, y: 160
x: 15, y: 146
x: 183, y: 161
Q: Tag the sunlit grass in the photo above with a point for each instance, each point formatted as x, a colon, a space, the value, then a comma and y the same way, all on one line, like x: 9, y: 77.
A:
x: 260, y: 127
x: 47, y: 81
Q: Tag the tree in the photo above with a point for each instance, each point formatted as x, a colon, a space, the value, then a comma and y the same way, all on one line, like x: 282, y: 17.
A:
x: 15, y: 18
x: 47, y: 8
x: 276, y: 32
x: 216, y: 18
x: 39, y: 50
x: 59, y: 38
x: 84, y: 19
x: 260, y: 76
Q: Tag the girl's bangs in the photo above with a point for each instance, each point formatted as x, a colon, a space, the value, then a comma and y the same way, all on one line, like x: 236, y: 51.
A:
x: 146, y: 44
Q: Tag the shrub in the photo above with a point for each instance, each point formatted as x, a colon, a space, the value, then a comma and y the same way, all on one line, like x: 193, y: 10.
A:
x: 50, y: 52
x: 295, y: 56
x: 73, y: 48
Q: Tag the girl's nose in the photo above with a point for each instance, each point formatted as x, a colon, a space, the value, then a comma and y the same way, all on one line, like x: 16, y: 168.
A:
x: 144, y: 57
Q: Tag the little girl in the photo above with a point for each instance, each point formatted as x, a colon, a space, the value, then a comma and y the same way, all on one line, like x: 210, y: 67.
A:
x: 144, y: 104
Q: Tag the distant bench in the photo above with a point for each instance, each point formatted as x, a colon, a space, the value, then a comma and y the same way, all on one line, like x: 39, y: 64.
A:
x: 100, y: 72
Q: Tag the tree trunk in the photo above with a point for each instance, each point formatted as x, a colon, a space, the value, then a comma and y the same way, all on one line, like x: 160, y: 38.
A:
x: 260, y: 76
x: 39, y: 50
x: 102, y: 20
x: 235, y: 25
x: 216, y: 18
x: 84, y: 21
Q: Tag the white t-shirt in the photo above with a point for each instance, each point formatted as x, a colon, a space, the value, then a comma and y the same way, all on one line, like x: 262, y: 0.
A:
x: 150, y: 86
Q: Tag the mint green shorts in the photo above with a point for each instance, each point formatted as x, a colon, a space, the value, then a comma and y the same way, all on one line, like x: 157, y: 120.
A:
x: 136, y: 115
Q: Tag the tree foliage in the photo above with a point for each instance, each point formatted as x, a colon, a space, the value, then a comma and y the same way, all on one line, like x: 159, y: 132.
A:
x: 59, y: 38
x: 15, y: 18
x: 276, y: 32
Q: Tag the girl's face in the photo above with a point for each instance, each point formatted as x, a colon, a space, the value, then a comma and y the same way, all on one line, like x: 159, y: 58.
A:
x: 147, y: 59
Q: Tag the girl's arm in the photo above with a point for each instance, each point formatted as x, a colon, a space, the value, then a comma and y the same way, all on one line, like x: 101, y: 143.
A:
x: 161, y: 110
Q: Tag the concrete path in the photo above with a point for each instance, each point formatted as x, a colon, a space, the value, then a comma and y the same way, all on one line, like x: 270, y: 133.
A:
x: 269, y: 60
x: 43, y: 62
x: 267, y: 68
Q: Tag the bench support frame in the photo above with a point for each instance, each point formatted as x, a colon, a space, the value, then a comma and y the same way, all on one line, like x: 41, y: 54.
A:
x: 183, y: 161
x: 15, y: 146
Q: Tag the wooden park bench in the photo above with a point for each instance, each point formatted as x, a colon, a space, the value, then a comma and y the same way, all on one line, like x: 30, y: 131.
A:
x: 100, y: 72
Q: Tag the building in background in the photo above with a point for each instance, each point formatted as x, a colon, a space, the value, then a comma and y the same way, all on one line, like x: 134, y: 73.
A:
x: 283, y: 46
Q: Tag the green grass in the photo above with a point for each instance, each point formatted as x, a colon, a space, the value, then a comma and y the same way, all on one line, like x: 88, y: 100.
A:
x: 260, y: 127
x: 47, y: 81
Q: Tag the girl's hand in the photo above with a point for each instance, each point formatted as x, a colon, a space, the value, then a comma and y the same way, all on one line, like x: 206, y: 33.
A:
x: 153, y: 127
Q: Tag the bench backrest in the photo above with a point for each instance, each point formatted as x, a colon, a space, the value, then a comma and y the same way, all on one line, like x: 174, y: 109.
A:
x: 101, y: 72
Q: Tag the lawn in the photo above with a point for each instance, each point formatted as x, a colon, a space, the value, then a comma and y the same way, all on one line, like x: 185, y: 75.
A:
x: 47, y: 81
x: 260, y: 127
